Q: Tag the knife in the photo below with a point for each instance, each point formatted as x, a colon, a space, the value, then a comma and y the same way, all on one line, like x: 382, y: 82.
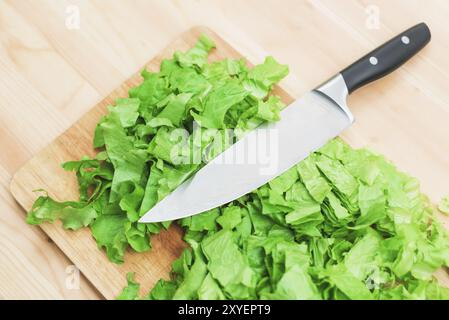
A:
x: 305, y: 125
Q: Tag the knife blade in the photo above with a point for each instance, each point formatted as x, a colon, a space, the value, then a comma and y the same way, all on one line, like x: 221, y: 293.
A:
x: 270, y: 150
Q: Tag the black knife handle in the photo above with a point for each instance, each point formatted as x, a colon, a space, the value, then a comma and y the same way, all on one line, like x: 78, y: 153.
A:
x: 387, y: 57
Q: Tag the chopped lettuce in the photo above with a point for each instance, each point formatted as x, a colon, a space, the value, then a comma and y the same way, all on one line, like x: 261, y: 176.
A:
x: 131, y: 291
x: 326, y: 229
x: 73, y: 215
x: 341, y: 224
x: 144, y: 140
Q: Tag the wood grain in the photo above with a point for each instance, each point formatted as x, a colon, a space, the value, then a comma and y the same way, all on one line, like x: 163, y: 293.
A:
x: 50, y: 76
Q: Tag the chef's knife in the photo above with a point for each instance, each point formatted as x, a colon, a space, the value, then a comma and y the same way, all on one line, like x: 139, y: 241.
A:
x: 305, y: 125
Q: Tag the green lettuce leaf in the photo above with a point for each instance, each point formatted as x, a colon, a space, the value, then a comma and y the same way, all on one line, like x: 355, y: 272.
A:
x: 225, y: 261
x: 131, y: 291
x: 261, y: 78
x: 73, y: 215
x: 218, y: 102
x: 109, y: 232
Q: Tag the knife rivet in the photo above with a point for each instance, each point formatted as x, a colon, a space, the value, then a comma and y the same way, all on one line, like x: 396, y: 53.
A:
x: 373, y: 60
x: 405, y: 40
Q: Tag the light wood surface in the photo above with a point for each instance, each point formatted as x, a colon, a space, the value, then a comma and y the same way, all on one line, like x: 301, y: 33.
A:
x: 51, y: 75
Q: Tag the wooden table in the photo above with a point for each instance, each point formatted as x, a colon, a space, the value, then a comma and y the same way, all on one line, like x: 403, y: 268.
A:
x: 52, y: 72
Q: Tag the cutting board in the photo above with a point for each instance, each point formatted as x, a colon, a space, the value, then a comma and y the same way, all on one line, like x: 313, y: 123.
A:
x: 44, y: 172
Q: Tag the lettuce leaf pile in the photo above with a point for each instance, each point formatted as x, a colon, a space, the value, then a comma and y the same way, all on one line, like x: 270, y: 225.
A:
x: 341, y: 224
x: 147, y: 143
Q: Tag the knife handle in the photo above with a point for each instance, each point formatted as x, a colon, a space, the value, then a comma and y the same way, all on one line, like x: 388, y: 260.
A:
x: 386, y: 58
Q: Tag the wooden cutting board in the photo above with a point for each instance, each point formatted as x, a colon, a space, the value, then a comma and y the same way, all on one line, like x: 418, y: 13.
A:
x: 44, y: 172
